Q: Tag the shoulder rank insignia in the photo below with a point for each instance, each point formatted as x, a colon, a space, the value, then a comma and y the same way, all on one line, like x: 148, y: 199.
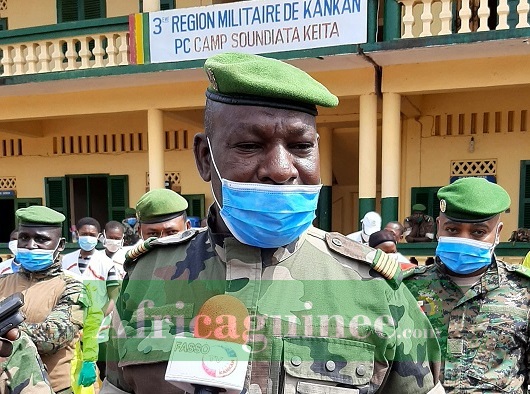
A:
x: 150, y: 243
x: 387, y: 266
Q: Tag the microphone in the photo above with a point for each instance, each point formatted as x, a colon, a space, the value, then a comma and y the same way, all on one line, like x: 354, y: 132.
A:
x: 215, y: 359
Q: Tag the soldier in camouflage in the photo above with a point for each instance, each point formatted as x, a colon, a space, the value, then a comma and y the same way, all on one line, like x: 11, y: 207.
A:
x: 328, y: 315
x: 478, y: 305
x: 130, y: 224
x: 54, y: 301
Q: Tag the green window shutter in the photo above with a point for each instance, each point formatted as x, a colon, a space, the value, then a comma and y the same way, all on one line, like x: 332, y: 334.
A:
x: 27, y: 202
x: 195, y: 205
x: 56, y: 197
x: 141, y: 6
x: 167, y: 4
x: 94, y: 9
x: 524, y: 195
x: 67, y: 11
x: 118, y: 196
x: 3, y: 24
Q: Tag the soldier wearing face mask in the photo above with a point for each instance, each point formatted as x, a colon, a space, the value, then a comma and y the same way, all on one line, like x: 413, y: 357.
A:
x: 260, y: 154
x: 54, y: 300
x: 478, y: 305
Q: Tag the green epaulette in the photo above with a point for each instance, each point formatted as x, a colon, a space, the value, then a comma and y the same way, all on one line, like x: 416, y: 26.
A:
x: 387, y: 266
x: 411, y: 271
x: 520, y: 269
x: 153, y: 242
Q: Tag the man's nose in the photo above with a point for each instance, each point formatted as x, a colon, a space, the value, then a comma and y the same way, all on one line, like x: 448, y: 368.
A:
x: 31, y: 244
x: 278, y: 167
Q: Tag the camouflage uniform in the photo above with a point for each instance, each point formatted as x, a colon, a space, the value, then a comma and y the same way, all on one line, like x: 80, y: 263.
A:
x: 54, y: 303
x: 484, y: 332
x: 23, y: 372
x: 325, y: 320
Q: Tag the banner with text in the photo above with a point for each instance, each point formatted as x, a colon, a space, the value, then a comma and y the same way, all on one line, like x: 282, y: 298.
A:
x: 261, y: 26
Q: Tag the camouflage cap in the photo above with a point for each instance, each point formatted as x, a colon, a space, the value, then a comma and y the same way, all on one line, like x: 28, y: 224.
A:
x: 473, y: 200
x: 39, y: 216
x: 419, y: 208
x: 160, y: 205
x: 244, y: 79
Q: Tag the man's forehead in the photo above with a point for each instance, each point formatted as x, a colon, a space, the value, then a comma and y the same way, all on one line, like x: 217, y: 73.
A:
x: 44, y: 230
x: 490, y: 223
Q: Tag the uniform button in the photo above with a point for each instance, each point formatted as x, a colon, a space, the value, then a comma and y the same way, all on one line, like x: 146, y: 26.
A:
x: 361, y: 370
x: 296, y: 361
x: 336, y: 242
x: 330, y: 365
x: 148, y: 349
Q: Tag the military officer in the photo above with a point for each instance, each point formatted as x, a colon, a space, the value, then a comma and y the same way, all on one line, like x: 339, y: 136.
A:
x: 329, y: 315
x: 161, y: 212
x: 419, y: 227
x: 54, y: 301
x: 477, y: 304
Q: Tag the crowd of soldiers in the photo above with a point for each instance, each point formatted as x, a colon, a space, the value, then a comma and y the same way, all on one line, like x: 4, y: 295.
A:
x: 326, y: 314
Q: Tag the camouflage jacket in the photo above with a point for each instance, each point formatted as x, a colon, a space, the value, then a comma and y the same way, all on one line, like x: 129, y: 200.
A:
x: 23, y: 372
x: 484, y: 332
x: 325, y: 320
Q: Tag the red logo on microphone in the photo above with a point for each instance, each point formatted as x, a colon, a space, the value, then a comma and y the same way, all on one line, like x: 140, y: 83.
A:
x: 219, y: 362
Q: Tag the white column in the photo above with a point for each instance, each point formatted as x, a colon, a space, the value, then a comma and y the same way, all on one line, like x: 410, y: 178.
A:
x: 391, y: 149
x: 368, y: 146
x: 155, y: 141
x: 151, y: 5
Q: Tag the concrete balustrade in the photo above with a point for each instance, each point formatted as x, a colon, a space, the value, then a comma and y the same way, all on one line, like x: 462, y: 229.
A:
x: 427, y: 18
x: 65, y: 54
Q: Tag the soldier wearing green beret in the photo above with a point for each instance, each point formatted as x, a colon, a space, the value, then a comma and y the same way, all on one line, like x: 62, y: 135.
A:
x: 160, y: 213
x: 419, y: 227
x: 478, y: 305
x: 54, y: 300
x: 260, y: 153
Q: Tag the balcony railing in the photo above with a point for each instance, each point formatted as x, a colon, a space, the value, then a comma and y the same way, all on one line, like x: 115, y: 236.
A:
x: 64, y: 47
x: 426, y: 18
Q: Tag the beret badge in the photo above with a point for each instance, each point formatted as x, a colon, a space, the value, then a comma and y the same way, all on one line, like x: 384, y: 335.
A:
x: 211, y: 78
x: 443, y: 205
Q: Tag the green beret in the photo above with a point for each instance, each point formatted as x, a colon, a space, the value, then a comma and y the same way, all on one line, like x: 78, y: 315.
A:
x: 473, y: 200
x: 419, y: 208
x: 39, y: 216
x: 243, y: 79
x: 130, y: 212
x: 160, y: 205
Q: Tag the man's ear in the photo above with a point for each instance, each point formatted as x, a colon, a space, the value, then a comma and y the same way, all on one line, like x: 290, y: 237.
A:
x: 62, y: 244
x: 188, y: 224
x: 201, y: 150
x: 437, y: 226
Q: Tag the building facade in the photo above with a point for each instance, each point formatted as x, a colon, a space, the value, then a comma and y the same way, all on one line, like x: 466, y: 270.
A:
x: 90, y: 120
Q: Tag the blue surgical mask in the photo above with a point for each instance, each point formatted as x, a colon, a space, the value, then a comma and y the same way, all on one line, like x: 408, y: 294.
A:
x: 464, y: 255
x: 87, y: 242
x: 267, y: 216
x: 35, y: 259
x: 131, y: 221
